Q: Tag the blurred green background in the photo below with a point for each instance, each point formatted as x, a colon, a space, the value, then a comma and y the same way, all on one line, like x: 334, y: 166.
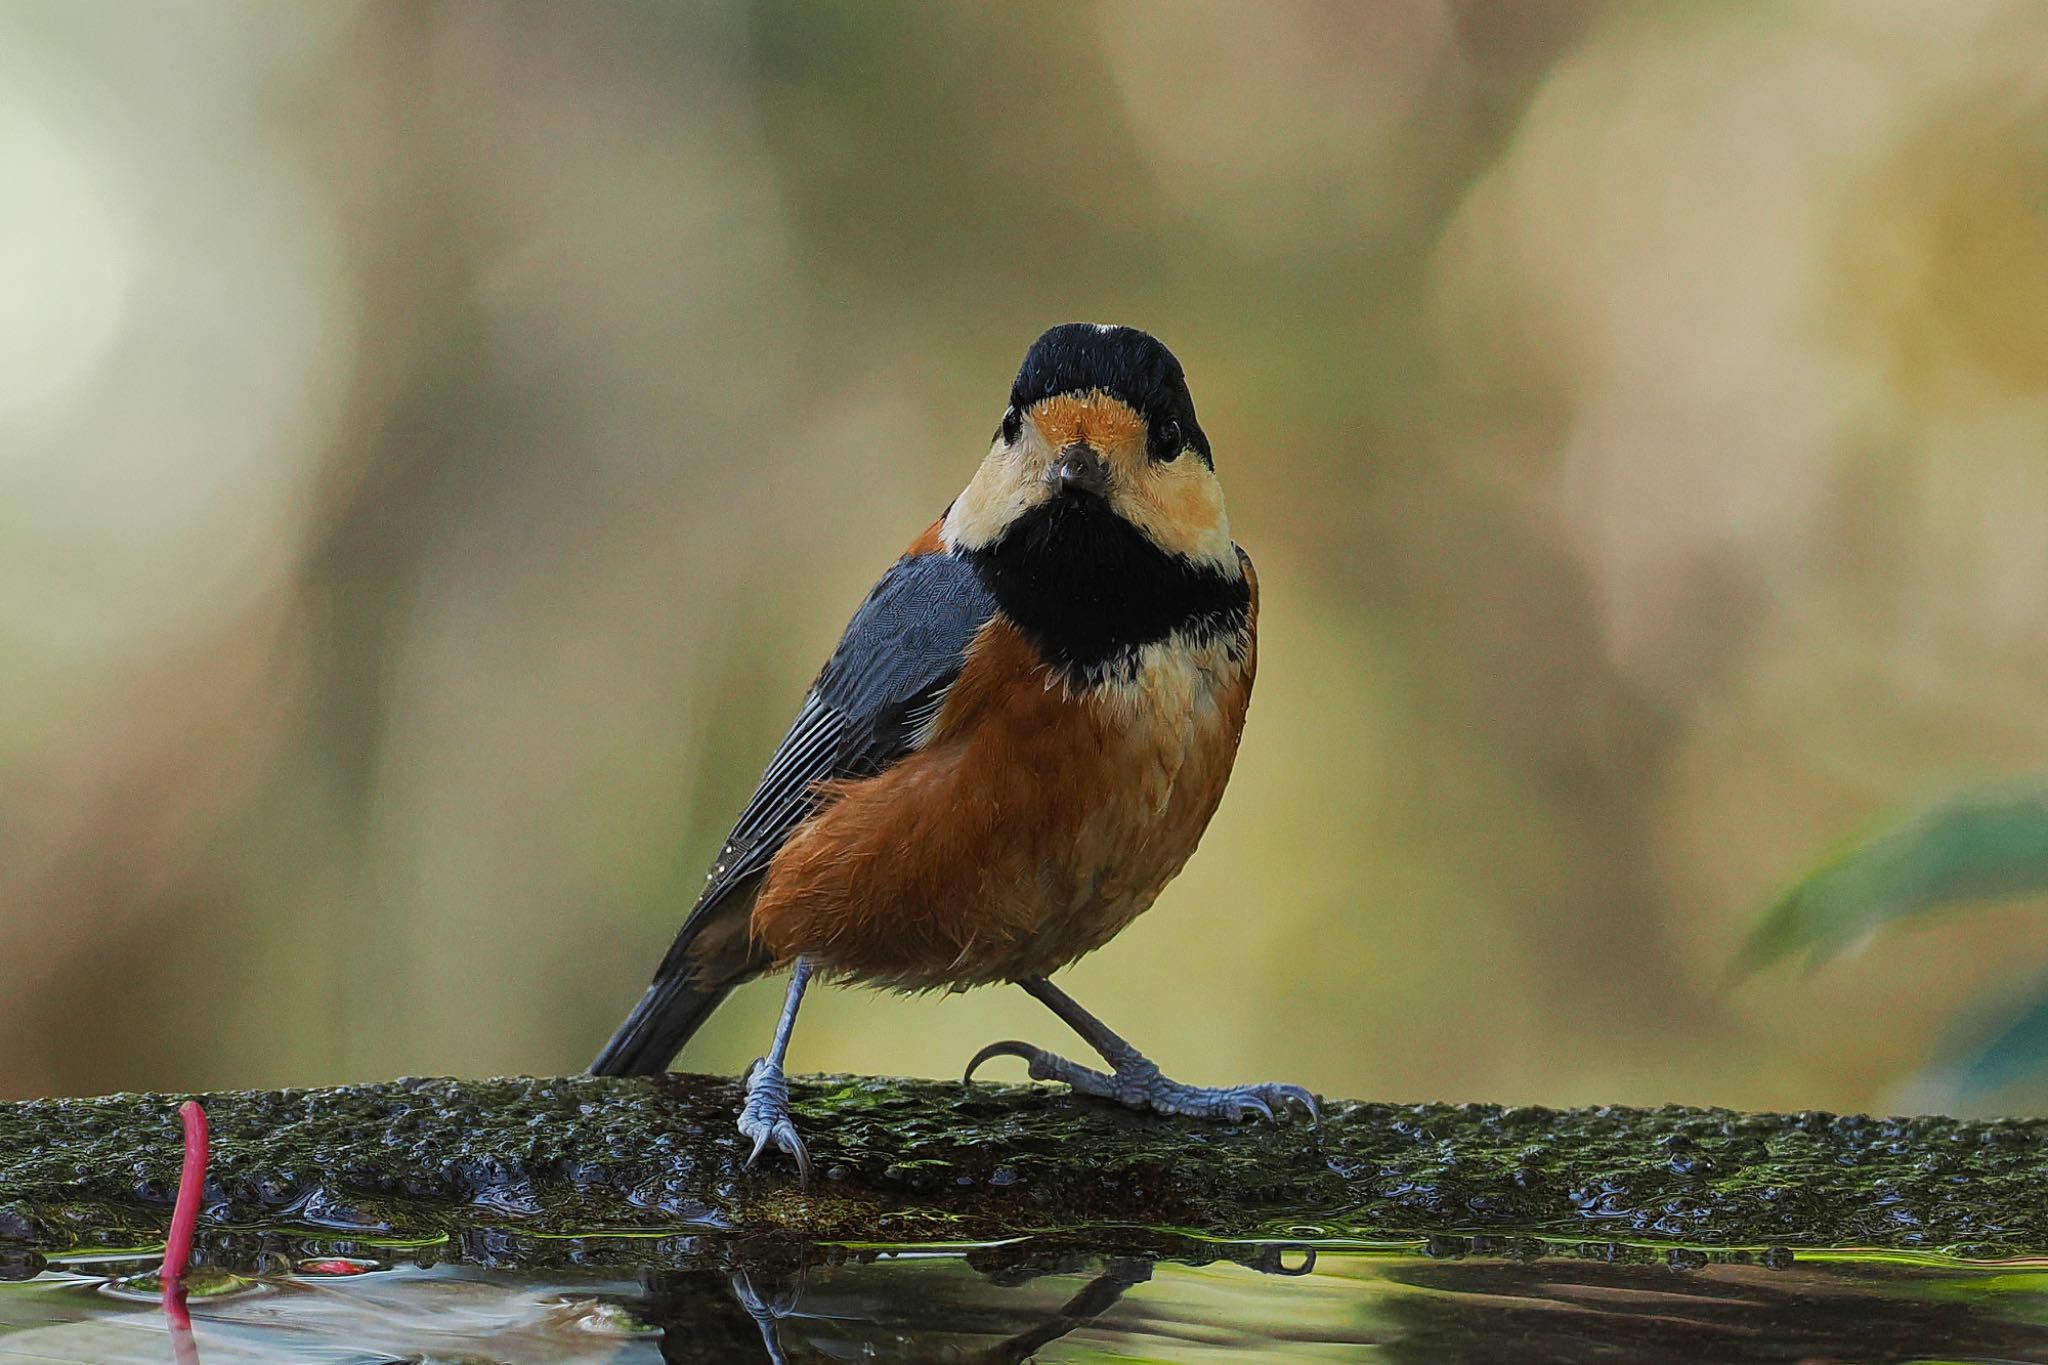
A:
x: 438, y: 442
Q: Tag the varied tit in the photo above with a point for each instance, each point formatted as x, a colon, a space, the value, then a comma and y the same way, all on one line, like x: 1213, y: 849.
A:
x: 1016, y: 745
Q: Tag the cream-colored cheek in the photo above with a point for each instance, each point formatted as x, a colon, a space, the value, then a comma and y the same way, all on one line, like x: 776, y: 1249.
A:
x: 1003, y: 489
x: 1181, y: 508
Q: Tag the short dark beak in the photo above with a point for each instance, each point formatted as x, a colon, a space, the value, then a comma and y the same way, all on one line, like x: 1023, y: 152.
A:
x: 1079, y: 470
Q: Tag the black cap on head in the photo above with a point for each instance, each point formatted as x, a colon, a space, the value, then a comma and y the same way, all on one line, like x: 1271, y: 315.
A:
x: 1077, y: 357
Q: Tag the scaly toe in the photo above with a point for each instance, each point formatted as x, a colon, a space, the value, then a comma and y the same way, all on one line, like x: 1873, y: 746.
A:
x: 1137, y: 1083
x: 765, y: 1118
x: 1041, y: 1065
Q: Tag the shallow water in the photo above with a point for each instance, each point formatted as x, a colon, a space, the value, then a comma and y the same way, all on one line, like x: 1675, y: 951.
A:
x: 293, y: 1301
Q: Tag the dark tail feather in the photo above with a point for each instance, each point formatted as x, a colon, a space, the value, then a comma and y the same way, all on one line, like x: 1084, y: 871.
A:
x: 657, y: 1028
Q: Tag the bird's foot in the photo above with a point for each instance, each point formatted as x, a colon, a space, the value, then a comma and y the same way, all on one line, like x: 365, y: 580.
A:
x: 1136, y: 1082
x: 767, y: 1313
x: 765, y: 1116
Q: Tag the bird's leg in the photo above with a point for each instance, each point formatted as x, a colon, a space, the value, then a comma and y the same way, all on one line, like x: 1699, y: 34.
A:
x: 1132, y: 1079
x: 765, y: 1116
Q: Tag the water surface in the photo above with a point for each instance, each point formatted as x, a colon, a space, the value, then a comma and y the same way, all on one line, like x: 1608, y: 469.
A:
x: 291, y: 1301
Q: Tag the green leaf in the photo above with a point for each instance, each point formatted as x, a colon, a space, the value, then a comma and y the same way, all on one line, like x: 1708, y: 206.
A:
x: 2012, y: 1055
x: 1987, y: 843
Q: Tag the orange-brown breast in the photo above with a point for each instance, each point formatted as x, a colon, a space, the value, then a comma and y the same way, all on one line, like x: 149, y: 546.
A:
x: 929, y: 541
x: 1035, y: 824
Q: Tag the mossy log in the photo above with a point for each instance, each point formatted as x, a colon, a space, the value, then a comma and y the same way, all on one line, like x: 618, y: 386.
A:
x: 916, y: 1161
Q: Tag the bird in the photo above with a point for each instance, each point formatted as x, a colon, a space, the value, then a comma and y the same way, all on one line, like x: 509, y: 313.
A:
x: 1016, y: 745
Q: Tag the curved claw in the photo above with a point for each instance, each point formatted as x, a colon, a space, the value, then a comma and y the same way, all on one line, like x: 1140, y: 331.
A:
x: 786, y: 1139
x: 1253, y: 1104
x: 783, y: 1133
x: 794, y: 1145
x: 1302, y: 1097
x: 765, y: 1118
x: 1009, y: 1047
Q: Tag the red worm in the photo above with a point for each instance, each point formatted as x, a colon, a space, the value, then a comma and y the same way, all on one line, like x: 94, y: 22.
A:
x: 185, y: 1214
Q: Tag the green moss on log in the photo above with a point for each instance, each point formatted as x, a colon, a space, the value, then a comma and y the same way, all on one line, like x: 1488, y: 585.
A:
x: 904, y: 1161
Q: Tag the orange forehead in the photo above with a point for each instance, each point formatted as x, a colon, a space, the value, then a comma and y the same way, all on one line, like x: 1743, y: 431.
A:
x: 1103, y: 422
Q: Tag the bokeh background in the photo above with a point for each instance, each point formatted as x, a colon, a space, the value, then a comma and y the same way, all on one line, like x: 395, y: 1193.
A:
x: 438, y: 442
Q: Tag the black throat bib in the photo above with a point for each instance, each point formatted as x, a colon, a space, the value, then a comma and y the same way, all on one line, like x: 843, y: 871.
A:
x: 1090, y: 590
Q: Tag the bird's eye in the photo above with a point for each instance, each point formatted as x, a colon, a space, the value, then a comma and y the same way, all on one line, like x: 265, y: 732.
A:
x: 1166, y: 441
x: 1013, y: 424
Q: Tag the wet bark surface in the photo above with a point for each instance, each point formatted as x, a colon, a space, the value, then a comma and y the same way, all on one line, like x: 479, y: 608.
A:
x: 496, y: 1162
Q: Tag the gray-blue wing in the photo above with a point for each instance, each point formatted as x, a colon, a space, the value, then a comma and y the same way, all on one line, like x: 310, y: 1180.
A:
x: 870, y: 706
